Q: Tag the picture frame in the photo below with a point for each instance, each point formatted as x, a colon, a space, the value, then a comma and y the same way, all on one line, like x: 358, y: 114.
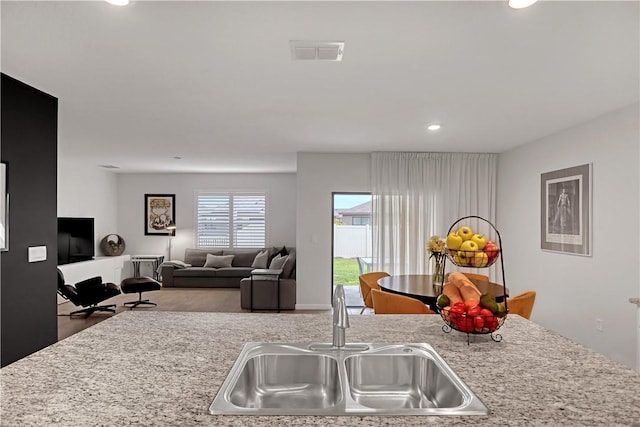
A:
x: 4, y: 207
x: 565, y: 210
x: 159, y: 212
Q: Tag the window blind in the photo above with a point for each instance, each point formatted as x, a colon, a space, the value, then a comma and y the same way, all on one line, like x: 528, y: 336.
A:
x: 231, y: 220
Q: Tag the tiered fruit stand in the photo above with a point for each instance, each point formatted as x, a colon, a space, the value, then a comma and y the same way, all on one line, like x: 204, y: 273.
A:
x: 461, y: 322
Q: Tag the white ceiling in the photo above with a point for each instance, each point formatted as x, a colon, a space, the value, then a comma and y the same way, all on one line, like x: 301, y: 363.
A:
x: 214, y: 82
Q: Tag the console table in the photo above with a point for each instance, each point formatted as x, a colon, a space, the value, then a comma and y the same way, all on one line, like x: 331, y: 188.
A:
x: 155, y: 261
x: 273, y: 273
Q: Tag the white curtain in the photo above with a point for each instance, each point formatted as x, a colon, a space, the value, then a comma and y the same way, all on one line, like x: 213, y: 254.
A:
x: 418, y: 195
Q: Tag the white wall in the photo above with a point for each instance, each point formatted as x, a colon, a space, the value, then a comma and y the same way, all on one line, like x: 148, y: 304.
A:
x: 574, y: 290
x: 320, y: 174
x: 86, y: 190
x: 281, y: 206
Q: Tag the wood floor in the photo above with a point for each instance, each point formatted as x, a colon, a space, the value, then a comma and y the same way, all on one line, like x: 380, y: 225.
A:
x: 221, y: 300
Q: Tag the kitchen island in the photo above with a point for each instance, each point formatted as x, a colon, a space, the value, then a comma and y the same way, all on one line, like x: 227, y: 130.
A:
x: 165, y: 368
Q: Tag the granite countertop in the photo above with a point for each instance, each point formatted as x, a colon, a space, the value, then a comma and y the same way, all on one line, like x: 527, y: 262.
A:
x: 165, y: 368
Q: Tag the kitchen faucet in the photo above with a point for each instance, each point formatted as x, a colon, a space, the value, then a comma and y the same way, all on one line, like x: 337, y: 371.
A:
x: 340, y: 323
x: 340, y: 317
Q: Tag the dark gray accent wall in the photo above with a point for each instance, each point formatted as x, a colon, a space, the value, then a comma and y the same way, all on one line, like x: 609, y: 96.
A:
x: 29, y: 145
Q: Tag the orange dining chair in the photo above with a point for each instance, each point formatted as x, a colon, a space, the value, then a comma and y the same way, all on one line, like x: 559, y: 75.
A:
x: 388, y: 303
x: 369, y: 281
x: 522, y: 304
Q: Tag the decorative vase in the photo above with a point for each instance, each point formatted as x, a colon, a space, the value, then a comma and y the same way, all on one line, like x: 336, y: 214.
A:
x: 438, y: 269
x: 112, y: 245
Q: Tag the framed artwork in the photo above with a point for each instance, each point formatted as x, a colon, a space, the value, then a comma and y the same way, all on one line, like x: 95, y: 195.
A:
x: 565, y: 217
x: 159, y: 212
x: 4, y: 209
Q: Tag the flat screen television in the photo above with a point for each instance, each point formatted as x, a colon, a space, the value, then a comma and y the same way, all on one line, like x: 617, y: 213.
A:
x: 75, y: 240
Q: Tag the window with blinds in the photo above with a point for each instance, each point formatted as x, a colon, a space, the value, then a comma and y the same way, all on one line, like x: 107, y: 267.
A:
x: 231, y: 220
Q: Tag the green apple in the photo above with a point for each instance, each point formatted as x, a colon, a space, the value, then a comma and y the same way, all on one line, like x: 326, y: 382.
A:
x: 461, y: 259
x: 469, y: 247
x: 465, y: 232
x: 480, y: 259
x: 480, y: 240
x: 454, y: 241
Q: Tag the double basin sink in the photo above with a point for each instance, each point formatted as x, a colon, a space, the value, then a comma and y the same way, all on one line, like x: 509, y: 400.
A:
x: 358, y: 379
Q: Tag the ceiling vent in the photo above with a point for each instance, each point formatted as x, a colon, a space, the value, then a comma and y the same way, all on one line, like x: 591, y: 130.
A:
x: 314, y: 50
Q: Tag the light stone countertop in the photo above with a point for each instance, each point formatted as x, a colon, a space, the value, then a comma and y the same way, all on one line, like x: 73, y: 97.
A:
x: 165, y: 368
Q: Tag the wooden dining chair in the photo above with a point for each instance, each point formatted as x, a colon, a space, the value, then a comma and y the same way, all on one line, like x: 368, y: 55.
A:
x: 369, y: 281
x: 522, y: 304
x: 388, y: 303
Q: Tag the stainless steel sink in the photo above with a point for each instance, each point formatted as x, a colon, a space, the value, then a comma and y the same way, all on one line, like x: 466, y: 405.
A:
x: 391, y: 381
x: 359, y: 379
x: 307, y: 381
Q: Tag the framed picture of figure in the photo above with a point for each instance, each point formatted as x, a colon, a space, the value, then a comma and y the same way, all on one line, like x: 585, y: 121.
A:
x: 565, y: 217
x: 159, y: 212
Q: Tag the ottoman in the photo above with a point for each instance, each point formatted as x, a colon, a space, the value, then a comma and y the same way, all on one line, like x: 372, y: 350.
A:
x: 139, y: 284
x: 265, y: 293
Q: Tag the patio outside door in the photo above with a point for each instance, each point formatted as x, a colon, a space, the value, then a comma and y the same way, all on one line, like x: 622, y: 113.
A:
x: 351, y: 242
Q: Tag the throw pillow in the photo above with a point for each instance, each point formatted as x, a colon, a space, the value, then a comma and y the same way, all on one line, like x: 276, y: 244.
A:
x: 218, y: 261
x: 261, y: 260
x: 289, y: 266
x: 275, y: 252
x: 176, y: 264
x: 278, y: 262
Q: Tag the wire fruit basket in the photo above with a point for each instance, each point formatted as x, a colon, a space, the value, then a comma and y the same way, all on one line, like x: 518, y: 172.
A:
x: 473, y: 258
x: 484, y: 250
x: 472, y: 323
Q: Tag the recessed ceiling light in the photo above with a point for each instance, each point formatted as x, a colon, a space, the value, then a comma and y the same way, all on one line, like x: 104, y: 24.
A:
x: 118, y: 2
x: 177, y: 157
x: 433, y: 127
x: 521, y: 4
x: 109, y: 166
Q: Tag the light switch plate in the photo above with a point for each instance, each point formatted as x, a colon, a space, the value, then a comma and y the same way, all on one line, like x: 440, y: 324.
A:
x: 37, y: 253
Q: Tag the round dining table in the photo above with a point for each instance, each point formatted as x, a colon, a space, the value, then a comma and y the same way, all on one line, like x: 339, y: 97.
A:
x: 421, y: 286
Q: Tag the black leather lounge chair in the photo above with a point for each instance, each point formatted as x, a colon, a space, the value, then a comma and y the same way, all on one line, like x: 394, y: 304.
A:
x: 88, y: 293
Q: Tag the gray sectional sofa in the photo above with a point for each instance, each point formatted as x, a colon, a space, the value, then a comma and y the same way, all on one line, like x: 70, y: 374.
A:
x: 198, y: 276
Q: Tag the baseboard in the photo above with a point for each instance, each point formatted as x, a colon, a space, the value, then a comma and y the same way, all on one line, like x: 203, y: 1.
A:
x: 313, y: 306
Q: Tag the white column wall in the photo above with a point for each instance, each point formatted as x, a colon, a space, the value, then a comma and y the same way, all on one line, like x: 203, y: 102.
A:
x: 574, y: 291
x: 320, y: 174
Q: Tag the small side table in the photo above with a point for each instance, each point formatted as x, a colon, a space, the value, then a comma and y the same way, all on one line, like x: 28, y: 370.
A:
x: 155, y: 261
x: 266, y: 272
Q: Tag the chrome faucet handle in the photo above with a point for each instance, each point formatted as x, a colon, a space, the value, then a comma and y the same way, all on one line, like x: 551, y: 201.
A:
x: 340, y: 313
x: 340, y: 317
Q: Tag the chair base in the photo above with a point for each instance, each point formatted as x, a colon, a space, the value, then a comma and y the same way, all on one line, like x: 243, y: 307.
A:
x: 140, y: 301
x: 90, y: 310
